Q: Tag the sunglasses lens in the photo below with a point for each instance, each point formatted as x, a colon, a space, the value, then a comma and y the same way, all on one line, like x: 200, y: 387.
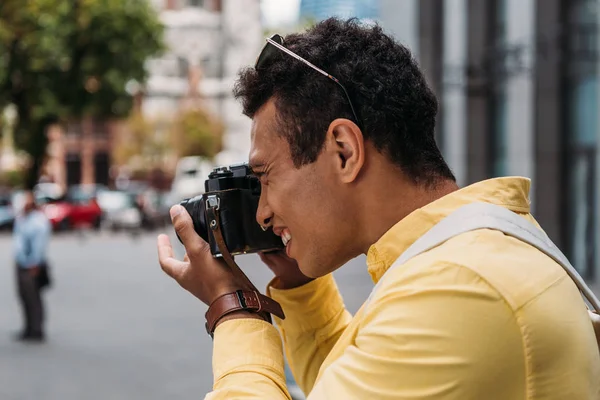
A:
x: 267, y: 51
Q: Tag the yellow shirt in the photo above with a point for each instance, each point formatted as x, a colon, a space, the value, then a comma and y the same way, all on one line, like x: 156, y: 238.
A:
x: 482, y: 316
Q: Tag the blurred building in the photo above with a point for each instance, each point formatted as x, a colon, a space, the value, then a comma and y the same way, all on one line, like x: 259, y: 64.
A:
x: 79, y: 153
x: 518, y: 87
x: 194, y: 42
x: 322, y: 9
x: 208, y: 42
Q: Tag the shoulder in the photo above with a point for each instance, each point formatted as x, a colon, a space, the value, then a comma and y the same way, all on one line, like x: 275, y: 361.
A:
x: 440, y: 313
x: 432, y: 277
x: 442, y: 290
x: 485, y: 260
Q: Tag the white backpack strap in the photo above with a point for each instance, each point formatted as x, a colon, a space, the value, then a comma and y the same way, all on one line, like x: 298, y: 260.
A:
x: 489, y: 216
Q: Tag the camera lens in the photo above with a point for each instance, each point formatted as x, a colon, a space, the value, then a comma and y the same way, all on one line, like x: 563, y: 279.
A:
x: 195, y: 207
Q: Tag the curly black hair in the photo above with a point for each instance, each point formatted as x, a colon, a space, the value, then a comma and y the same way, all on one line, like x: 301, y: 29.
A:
x: 395, y: 105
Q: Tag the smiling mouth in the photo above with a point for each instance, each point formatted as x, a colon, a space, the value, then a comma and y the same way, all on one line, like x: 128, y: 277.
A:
x: 286, y: 236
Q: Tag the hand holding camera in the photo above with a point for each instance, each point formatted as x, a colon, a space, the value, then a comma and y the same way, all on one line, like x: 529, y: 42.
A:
x: 213, y: 227
x: 201, y: 274
x: 235, y: 192
x: 286, y: 270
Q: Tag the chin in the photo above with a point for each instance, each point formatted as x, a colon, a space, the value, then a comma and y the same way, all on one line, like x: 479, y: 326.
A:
x: 312, y: 272
x: 309, y: 272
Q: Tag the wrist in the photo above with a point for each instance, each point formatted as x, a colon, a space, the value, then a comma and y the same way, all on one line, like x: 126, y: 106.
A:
x: 241, y: 304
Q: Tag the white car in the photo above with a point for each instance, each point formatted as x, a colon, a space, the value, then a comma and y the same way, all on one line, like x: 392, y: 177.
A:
x: 119, y: 211
x: 190, y: 174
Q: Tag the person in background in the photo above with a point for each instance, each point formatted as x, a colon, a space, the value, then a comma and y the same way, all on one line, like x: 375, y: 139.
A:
x: 31, y: 235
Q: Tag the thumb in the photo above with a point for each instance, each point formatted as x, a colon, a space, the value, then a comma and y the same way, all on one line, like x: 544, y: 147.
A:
x: 184, y: 227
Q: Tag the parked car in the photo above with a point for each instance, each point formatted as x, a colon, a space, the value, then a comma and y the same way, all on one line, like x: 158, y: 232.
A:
x: 154, y: 214
x: 48, y: 190
x: 57, y: 210
x: 85, y: 210
x: 7, y: 212
x: 119, y: 211
x: 166, y: 202
x: 190, y: 174
x: 76, y: 209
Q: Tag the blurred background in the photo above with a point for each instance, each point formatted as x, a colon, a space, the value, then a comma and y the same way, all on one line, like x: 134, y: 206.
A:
x: 114, y: 110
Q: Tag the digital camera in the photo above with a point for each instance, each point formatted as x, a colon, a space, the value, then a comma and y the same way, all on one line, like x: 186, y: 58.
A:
x: 235, y: 191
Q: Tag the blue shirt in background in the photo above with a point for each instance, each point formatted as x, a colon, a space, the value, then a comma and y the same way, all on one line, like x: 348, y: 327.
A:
x: 31, y: 235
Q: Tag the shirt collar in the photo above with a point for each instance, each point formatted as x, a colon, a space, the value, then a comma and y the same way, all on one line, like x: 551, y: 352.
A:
x: 509, y: 192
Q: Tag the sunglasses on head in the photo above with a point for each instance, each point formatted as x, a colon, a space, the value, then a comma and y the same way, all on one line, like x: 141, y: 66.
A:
x: 275, y: 43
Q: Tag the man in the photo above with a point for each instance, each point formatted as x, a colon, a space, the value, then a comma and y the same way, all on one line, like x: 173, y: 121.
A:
x: 482, y: 316
x: 31, y: 235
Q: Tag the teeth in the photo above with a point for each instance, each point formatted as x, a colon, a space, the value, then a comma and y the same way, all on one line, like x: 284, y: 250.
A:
x: 286, y: 236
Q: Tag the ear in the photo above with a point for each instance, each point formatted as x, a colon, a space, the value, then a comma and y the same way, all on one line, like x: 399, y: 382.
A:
x: 348, y: 148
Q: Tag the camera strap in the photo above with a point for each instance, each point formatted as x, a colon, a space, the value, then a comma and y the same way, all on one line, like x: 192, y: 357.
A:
x: 215, y: 225
x: 248, y: 299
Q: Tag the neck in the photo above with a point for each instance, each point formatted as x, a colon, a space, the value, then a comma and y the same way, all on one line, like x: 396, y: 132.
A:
x: 392, y: 201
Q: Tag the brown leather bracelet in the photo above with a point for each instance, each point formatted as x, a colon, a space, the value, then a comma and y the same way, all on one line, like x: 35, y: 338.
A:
x: 246, y: 300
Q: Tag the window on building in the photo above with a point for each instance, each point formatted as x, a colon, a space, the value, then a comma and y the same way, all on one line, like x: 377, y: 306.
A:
x: 73, y: 167
x: 498, y: 144
x: 580, y: 135
x: 183, y: 67
x: 101, y: 168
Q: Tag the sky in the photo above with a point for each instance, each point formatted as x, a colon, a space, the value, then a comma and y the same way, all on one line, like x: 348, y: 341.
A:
x: 279, y: 12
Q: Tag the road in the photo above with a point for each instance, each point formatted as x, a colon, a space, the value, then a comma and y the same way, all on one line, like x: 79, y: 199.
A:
x: 118, y: 328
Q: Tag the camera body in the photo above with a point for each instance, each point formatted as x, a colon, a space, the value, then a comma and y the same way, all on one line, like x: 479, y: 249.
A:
x: 236, y: 192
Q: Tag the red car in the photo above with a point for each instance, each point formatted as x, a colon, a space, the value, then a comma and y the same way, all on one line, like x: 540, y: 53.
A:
x: 77, y: 209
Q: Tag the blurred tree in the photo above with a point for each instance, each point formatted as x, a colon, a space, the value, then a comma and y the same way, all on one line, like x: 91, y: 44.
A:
x: 12, y: 179
x: 142, y: 140
x: 197, y: 133
x: 65, y: 59
x: 131, y: 139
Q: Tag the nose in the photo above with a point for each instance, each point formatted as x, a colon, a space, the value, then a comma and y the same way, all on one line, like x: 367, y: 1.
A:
x: 264, y: 214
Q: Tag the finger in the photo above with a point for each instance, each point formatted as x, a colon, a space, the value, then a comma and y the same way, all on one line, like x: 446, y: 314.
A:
x: 273, y: 256
x: 165, y: 250
x: 169, y: 264
x: 186, y: 258
x: 184, y: 226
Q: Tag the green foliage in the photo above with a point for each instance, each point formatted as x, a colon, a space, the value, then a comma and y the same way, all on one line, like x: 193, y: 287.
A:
x: 12, y: 179
x: 63, y: 59
x: 130, y: 141
x: 197, y: 133
x: 142, y: 139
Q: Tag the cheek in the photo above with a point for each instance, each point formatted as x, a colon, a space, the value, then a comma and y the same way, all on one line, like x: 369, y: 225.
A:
x: 304, y: 201
x: 310, y: 211
x: 286, y: 201
x: 295, y: 201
